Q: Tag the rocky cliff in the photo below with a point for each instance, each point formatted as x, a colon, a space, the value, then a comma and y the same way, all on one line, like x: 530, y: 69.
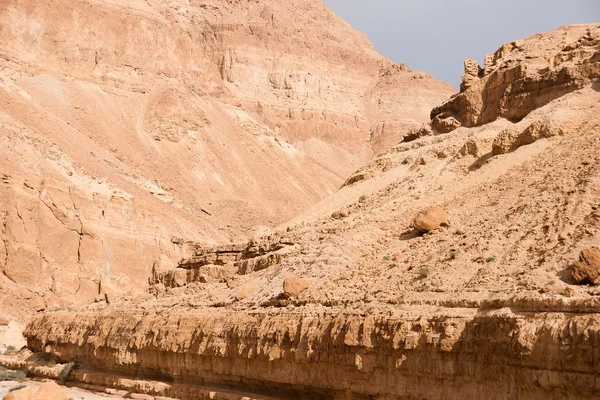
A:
x: 524, y: 75
x: 452, y: 265
x: 130, y: 127
x: 402, y: 355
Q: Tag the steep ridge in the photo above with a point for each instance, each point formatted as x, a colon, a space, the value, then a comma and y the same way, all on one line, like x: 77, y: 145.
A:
x: 349, y: 301
x: 131, y: 127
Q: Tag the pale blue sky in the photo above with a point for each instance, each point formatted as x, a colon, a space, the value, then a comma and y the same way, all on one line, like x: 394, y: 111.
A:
x: 435, y: 36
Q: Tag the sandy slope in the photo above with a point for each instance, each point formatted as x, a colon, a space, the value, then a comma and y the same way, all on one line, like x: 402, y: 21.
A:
x: 127, y: 128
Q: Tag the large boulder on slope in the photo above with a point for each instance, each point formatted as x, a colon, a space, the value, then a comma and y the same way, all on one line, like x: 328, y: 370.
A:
x: 587, y: 269
x: 431, y: 219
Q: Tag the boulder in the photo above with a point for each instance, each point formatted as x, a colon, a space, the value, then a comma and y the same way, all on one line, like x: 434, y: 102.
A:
x: 340, y: 214
x: 587, y: 269
x: 431, y: 219
x: 48, y: 391
x: 415, y: 134
x: 476, y: 147
x: 445, y: 123
x: 293, y: 286
x: 21, y: 394
x: 242, y: 294
x: 511, y: 139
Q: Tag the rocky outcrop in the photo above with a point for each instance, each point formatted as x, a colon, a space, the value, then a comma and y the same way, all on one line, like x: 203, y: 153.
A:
x: 499, y: 353
x: 161, y: 122
x: 525, y: 75
x: 221, y: 263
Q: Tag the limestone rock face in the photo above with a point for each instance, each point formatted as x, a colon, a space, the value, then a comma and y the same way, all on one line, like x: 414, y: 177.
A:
x: 587, y: 269
x: 137, y: 126
x: 525, y: 75
x: 344, y: 355
x: 431, y: 219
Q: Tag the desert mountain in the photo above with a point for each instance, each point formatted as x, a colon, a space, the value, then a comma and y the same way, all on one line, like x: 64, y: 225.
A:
x: 129, y: 128
x: 459, y: 263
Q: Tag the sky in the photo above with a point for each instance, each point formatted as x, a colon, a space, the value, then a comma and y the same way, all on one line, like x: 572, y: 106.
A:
x: 436, y: 36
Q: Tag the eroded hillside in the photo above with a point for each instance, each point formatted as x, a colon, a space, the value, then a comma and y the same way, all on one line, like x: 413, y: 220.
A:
x: 131, y: 127
x: 350, y: 301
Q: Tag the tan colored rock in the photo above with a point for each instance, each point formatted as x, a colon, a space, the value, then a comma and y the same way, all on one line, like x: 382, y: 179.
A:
x: 4, y: 321
x: 587, y: 269
x: 445, y: 123
x: 472, y: 74
x: 293, y: 286
x: 47, y: 391
x: 504, y: 142
x: 368, y: 348
x: 431, y: 219
x: 476, y: 147
x: 50, y: 391
x: 513, y: 138
x: 525, y: 75
x: 244, y: 293
x: 341, y: 214
x: 417, y: 133
x: 21, y: 394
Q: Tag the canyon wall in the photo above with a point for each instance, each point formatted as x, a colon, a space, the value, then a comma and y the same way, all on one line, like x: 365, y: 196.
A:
x: 496, y: 354
x: 130, y: 127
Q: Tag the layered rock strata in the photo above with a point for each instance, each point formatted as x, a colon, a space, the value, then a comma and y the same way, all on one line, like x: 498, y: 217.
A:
x: 397, y: 356
x: 128, y: 127
x: 525, y: 75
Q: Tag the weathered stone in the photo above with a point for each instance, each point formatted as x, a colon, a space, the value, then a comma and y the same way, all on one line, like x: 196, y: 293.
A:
x: 415, y: 134
x: 472, y: 74
x: 242, y: 294
x: 587, y: 269
x: 341, y: 214
x: 47, y: 391
x: 525, y: 75
x: 431, y: 219
x: 511, y: 139
x: 445, y: 123
x: 293, y: 286
x: 476, y: 147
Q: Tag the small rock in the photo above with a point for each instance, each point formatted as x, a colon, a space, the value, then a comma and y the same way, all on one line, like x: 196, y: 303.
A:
x: 445, y: 123
x: 476, y: 147
x: 340, y: 214
x: 431, y: 219
x: 242, y: 294
x: 293, y: 286
x: 504, y: 142
x: 4, y: 321
x: 568, y: 292
x: 594, y: 291
x: 587, y: 269
x: 564, y: 235
x: 415, y: 134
